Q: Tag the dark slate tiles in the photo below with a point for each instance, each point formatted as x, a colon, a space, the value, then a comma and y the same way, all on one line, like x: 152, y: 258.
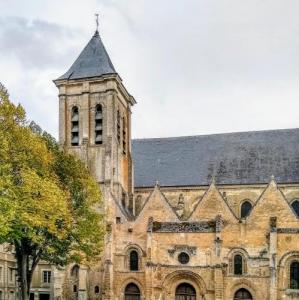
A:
x: 93, y: 61
x: 233, y: 158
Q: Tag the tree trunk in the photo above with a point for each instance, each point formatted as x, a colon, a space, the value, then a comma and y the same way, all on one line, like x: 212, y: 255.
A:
x: 22, y: 262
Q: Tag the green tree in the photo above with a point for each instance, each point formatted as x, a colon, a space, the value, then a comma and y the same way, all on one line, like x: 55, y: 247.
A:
x: 49, y: 203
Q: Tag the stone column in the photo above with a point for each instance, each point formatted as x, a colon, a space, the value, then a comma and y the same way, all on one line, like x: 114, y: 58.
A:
x: 273, y: 258
x: 147, y: 265
x: 218, y: 274
x: 62, y: 120
x: 218, y: 277
x: 82, y: 289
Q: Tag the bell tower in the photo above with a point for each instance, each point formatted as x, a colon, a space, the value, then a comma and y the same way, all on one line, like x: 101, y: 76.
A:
x: 95, y: 119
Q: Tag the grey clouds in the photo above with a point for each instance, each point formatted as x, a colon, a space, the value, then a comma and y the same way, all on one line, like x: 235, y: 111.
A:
x: 194, y: 66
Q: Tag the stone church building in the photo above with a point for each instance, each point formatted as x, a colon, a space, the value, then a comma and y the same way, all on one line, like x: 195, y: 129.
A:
x: 188, y: 218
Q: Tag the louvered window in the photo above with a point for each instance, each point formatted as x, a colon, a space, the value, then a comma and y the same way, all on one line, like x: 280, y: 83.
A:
x: 98, y: 125
x: 75, y: 126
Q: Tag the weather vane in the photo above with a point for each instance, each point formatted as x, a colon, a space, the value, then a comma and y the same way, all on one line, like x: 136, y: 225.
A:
x: 97, y: 22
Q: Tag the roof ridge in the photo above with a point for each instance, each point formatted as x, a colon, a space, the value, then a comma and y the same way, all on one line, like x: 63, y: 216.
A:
x: 215, y: 134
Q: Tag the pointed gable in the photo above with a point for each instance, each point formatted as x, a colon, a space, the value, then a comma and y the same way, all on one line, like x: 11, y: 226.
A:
x: 157, y: 207
x: 272, y: 203
x: 211, y: 205
x: 93, y: 61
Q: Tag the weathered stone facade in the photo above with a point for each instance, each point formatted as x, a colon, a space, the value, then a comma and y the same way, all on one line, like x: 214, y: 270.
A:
x: 184, y: 236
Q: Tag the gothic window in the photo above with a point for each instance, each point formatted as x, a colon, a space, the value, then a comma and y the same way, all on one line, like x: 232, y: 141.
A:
x: 185, y: 291
x: 124, y: 136
x: 132, y: 292
x: 98, y: 125
x: 294, y: 275
x: 96, y: 289
x: 238, y: 264
x: 134, y: 260
x: 118, y: 126
x: 75, y: 126
x: 295, y: 206
x: 183, y: 258
x: 245, y: 209
x: 242, y: 294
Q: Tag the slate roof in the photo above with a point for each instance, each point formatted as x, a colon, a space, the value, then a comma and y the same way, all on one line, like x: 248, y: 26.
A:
x: 232, y: 158
x: 93, y: 61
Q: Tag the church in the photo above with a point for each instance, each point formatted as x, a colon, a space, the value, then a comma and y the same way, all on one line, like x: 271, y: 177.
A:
x: 209, y: 217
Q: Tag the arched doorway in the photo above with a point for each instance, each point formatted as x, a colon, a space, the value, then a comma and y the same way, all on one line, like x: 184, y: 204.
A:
x: 185, y: 291
x: 132, y: 292
x: 242, y: 294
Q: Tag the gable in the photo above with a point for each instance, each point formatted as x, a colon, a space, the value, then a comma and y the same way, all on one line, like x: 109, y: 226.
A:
x: 211, y: 205
x: 156, y: 207
x: 271, y: 203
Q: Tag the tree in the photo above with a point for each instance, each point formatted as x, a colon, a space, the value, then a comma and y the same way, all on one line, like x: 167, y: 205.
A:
x: 49, y: 203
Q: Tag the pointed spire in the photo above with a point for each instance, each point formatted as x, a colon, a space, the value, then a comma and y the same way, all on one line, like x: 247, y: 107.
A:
x: 93, y: 61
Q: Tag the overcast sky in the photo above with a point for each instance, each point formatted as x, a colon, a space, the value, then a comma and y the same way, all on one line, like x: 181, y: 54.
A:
x: 194, y: 66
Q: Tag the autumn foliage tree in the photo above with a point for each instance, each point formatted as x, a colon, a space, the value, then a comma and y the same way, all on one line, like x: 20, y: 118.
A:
x: 49, y: 203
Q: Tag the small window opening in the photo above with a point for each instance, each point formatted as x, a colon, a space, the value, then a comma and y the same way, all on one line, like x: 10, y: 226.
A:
x: 75, y: 288
x: 295, y: 206
x: 124, y: 136
x: 118, y: 220
x: 123, y: 200
x: 245, y: 209
x: 96, y: 289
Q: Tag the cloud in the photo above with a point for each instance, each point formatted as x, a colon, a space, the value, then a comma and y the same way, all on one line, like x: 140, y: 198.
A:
x: 194, y: 66
x: 37, y: 44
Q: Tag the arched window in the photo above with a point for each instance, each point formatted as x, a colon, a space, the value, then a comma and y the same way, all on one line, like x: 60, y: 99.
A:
x: 118, y: 126
x: 98, y: 125
x: 75, y: 290
x: 294, y: 275
x: 75, y: 271
x: 96, y: 289
x: 185, y: 291
x: 134, y: 260
x: 75, y: 126
x: 238, y: 264
x: 242, y: 294
x: 132, y: 292
x: 245, y: 209
x: 295, y: 206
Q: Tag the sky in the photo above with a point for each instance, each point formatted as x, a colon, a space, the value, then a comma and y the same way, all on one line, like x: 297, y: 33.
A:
x: 194, y: 66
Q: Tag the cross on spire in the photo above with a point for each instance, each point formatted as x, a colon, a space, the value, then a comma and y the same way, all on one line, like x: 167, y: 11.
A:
x: 97, y: 23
